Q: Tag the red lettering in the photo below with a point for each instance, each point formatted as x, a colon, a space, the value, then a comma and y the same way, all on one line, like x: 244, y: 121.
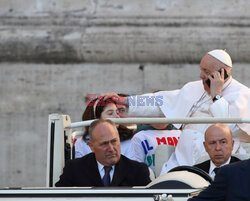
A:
x: 162, y: 140
x: 175, y: 141
x: 170, y: 141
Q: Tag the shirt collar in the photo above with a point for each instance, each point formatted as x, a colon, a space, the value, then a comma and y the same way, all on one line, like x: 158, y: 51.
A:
x: 101, y: 166
x: 213, y: 166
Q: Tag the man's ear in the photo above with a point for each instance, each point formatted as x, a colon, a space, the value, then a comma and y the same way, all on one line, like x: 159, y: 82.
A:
x: 205, y: 146
x: 233, y: 143
x: 91, y: 146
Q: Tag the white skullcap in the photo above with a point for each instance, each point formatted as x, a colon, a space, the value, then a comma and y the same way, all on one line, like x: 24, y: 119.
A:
x: 222, y: 56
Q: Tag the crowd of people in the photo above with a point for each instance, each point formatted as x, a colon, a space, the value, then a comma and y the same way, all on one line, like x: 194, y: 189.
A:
x: 132, y: 147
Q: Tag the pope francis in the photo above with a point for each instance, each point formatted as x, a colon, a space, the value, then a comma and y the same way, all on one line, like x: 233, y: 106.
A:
x: 217, y: 94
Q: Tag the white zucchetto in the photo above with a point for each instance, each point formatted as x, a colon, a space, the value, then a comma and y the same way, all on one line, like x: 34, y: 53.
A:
x: 222, y: 56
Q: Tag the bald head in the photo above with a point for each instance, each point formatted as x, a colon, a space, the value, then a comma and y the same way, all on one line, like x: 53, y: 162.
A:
x: 95, y: 123
x: 218, y: 143
x: 218, y: 127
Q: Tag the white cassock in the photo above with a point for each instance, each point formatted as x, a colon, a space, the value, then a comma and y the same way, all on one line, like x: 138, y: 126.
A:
x: 193, y: 101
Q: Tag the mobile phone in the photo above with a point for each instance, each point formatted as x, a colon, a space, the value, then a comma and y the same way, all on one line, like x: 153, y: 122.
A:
x: 208, y: 82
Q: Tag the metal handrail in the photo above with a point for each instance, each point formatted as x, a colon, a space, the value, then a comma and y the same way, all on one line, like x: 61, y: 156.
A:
x: 196, y: 120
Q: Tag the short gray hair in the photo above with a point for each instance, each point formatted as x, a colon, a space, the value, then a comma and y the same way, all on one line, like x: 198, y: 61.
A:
x: 97, y: 122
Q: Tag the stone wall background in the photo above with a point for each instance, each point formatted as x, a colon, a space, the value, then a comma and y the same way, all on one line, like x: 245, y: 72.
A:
x: 54, y: 52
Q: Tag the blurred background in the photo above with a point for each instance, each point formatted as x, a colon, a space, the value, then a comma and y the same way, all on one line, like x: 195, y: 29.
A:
x: 55, y: 52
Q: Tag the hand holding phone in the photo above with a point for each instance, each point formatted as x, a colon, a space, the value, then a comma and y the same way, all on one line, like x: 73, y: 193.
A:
x: 208, y: 82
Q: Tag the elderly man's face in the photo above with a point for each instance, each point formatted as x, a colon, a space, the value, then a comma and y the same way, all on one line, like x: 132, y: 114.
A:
x: 105, y: 143
x: 218, y: 143
x: 208, y: 65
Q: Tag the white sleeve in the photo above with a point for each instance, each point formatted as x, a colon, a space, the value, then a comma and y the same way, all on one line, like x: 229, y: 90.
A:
x: 126, y: 148
x: 137, y: 149
x: 220, y: 108
x: 78, y: 149
x: 145, y: 105
x: 81, y: 148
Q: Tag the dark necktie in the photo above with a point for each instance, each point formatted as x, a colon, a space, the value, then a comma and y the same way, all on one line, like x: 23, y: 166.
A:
x: 106, y: 177
x: 216, y: 170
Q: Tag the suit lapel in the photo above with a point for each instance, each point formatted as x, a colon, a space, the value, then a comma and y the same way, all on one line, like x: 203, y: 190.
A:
x: 119, y: 175
x: 207, y: 166
x: 94, y: 174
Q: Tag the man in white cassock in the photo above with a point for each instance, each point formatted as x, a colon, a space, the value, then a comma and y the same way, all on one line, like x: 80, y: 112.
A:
x: 222, y: 98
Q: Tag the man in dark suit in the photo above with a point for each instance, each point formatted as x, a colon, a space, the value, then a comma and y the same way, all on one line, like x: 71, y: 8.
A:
x: 231, y: 183
x: 219, y: 145
x: 105, y: 166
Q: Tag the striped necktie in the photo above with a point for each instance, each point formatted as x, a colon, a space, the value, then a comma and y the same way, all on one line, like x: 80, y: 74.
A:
x: 106, y: 177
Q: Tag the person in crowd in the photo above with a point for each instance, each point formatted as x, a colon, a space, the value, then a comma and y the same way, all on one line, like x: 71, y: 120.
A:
x: 232, y: 182
x: 217, y: 94
x: 105, y: 166
x: 219, y: 145
x: 122, y: 109
x: 101, y: 108
x: 144, y: 143
x: 144, y: 127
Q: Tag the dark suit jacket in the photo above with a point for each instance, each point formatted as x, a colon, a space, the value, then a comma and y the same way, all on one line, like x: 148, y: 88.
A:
x: 232, y: 183
x: 206, y: 165
x: 84, y: 172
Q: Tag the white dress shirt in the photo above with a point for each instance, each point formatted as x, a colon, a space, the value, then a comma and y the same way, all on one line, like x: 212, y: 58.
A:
x: 102, y: 171
x: 213, y: 166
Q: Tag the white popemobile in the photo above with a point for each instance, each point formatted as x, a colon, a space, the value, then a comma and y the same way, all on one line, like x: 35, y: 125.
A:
x: 178, y: 184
